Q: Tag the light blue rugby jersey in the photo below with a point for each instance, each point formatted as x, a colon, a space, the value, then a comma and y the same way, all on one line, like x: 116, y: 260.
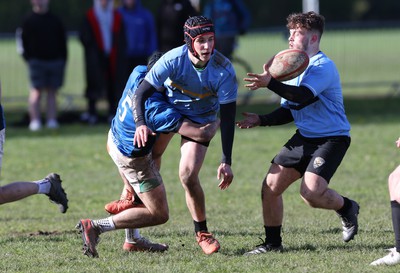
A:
x: 196, y: 94
x: 325, y: 117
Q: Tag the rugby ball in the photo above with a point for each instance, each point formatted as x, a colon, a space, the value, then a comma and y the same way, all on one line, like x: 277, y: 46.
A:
x: 288, y: 64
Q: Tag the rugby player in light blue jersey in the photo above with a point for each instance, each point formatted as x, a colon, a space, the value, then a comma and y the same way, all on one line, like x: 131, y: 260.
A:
x: 138, y: 170
x: 314, y: 102
x: 200, y: 83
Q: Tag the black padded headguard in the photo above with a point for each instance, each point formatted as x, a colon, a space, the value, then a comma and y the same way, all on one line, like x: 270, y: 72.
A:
x: 196, y: 26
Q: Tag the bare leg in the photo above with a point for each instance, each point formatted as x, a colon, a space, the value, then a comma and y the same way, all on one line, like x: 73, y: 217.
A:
x: 159, y: 148
x: 34, y: 104
x: 154, y: 212
x: 277, y: 181
x: 199, y: 132
x: 315, y: 192
x: 394, y: 185
x: 192, y: 157
x: 16, y: 191
x: 51, y: 104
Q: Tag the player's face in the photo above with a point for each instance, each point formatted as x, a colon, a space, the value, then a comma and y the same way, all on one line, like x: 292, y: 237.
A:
x: 203, y: 46
x: 299, y: 38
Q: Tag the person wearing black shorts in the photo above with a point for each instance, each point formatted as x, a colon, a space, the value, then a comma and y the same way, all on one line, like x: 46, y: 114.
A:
x: 314, y: 101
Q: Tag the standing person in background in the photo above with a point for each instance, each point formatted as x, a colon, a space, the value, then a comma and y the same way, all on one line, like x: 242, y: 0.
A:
x: 140, y: 31
x: 171, y: 16
x: 231, y: 18
x: 103, y: 38
x: 43, y: 45
x: 394, y: 191
x: 314, y: 102
x: 50, y: 185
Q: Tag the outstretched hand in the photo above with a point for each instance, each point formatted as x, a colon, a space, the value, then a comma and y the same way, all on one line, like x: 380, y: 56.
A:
x: 398, y: 143
x: 258, y: 80
x: 141, y: 136
x: 251, y: 120
x: 225, y: 174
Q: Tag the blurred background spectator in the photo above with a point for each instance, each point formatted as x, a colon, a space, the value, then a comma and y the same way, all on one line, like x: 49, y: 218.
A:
x: 231, y: 18
x: 43, y: 44
x: 171, y: 17
x: 103, y: 38
x: 140, y: 31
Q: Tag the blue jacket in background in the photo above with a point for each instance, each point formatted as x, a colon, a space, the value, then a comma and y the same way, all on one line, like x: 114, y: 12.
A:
x: 141, y: 35
x: 230, y: 17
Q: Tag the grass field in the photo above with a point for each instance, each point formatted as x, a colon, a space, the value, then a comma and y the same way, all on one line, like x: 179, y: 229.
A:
x: 35, y: 237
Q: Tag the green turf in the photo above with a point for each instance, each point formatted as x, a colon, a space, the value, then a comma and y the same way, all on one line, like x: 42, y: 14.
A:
x: 35, y: 237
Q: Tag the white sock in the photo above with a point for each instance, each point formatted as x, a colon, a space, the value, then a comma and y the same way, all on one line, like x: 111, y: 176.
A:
x: 105, y: 224
x: 132, y: 234
x: 44, y: 186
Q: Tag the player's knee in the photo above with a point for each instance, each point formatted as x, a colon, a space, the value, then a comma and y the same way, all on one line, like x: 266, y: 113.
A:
x: 271, y: 186
x: 188, y: 178
x: 163, y: 218
x: 394, y: 178
x: 160, y: 216
x: 310, y: 197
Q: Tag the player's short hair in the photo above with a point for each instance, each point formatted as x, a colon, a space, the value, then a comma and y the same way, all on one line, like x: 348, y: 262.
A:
x: 153, y: 59
x: 196, y: 26
x: 309, y: 20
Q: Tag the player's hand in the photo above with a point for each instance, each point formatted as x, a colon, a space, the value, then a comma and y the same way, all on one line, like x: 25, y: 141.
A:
x: 141, y: 136
x: 258, y: 80
x: 251, y: 120
x: 225, y: 175
x: 398, y: 143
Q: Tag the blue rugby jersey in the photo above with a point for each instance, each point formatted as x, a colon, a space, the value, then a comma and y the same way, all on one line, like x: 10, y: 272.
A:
x: 159, y: 117
x: 196, y: 94
x: 325, y: 117
x: 123, y: 126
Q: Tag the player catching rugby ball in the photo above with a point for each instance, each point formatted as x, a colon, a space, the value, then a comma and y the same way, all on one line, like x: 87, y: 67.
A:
x: 314, y: 101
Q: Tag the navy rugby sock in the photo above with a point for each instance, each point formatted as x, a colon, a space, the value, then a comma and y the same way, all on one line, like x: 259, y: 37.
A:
x: 395, y: 206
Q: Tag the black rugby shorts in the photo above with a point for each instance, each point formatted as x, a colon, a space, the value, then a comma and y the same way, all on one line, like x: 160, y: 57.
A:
x: 321, y: 156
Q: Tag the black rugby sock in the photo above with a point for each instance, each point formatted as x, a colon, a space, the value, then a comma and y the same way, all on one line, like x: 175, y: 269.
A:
x: 200, y: 226
x: 273, y: 235
x: 346, y: 206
